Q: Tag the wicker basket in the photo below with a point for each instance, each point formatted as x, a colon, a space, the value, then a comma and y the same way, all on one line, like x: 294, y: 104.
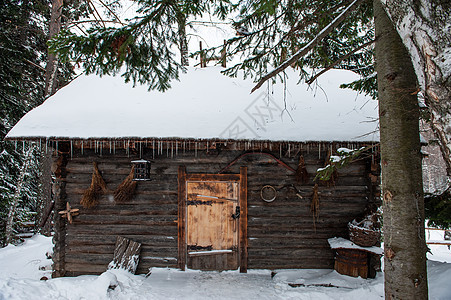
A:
x: 362, y: 236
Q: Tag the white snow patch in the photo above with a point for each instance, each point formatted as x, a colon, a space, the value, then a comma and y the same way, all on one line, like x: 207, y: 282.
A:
x: 19, y: 279
x: 205, y: 105
x: 338, y: 242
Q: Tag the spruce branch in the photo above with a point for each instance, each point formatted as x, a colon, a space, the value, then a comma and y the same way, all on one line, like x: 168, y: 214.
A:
x: 303, y: 51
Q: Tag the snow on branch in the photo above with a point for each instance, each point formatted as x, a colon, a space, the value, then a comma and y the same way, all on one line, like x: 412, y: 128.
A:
x: 303, y: 51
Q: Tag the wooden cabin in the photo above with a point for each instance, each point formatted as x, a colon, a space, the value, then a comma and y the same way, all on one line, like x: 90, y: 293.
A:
x: 205, y: 176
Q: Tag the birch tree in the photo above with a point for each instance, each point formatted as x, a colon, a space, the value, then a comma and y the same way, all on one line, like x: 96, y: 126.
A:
x: 425, y: 29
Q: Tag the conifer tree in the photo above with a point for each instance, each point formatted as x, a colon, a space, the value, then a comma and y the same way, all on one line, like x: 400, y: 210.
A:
x: 22, y: 55
x: 146, y: 47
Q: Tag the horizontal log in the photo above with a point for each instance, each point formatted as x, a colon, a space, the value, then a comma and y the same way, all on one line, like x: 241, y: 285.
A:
x: 301, y: 264
x: 151, y: 220
x: 277, y: 221
x: 129, y: 212
x: 292, y: 254
x: 311, y: 234
x: 304, y: 210
x: 263, y: 243
x: 82, y: 268
x: 122, y: 230
x: 92, y: 258
x: 155, y: 240
x: 147, y: 250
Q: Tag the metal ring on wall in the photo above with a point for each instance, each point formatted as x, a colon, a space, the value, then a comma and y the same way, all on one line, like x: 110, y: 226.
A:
x: 269, y: 188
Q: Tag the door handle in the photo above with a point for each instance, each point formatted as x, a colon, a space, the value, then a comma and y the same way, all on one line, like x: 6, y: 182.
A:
x: 237, y: 213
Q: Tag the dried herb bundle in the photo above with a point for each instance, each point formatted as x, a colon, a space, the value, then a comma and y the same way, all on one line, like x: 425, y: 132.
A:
x: 126, y: 189
x: 98, y: 187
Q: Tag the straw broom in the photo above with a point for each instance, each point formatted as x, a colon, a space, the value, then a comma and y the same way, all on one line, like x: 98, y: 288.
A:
x: 301, y: 174
x: 126, y: 189
x: 98, y: 187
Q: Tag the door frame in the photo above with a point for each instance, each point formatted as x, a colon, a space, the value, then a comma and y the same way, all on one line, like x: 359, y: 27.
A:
x: 183, y: 177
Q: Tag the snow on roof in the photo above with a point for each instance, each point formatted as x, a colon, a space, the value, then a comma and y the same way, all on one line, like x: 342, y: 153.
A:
x: 204, y: 104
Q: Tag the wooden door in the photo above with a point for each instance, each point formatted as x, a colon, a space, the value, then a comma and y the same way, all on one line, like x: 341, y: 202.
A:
x: 212, y: 225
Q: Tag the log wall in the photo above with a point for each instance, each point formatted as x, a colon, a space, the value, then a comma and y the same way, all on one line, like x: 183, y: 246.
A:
x: 281, y: 234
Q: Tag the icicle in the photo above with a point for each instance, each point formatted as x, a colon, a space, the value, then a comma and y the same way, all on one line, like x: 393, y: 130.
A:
x: 172, y: 149
x: 176, y: 148
x: 71, y: 149
x: 128, y: 148
x: 167, y: 149
x: 110, y: 146
x: 101, y: 147
x: 57, y: 147
x: 82, y: 142
x: 114, y: 147
x: 319, y: 150
x: 153, y: 148
x: 184, y: 146
x: 195, y: 149
x: 289, y: 149
x: 140, y: 150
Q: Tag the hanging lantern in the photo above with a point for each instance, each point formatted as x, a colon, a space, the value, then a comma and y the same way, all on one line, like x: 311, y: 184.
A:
x: 142, y: 170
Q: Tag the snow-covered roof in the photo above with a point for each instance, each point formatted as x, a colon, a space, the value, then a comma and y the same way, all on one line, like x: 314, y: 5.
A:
x: 204, y: 104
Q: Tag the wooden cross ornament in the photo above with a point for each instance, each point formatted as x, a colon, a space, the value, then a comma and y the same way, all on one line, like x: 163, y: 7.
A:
x: 69, y: 212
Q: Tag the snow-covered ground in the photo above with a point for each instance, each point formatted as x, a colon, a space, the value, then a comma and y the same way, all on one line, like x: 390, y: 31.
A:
x: 21, y: 268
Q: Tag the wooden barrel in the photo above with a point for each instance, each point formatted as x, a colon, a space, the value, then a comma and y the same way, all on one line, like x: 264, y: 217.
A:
x: 352, y: 262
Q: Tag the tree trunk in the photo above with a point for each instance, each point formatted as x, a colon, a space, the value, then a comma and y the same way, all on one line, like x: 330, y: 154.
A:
x: 424, y: 28
x: 402, y: 187
x: 52, y: 60
x: 51, y: 86
x: 183, y: 43
x: 16, y: 197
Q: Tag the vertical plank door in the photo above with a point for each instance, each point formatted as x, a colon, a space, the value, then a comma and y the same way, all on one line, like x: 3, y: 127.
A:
x: 212, y: 225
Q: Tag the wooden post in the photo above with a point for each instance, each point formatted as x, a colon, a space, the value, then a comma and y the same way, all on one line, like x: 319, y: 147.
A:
x: 243, y: 220
x: 181, y: 239
x: 202, y: 58
x: 223, y: 55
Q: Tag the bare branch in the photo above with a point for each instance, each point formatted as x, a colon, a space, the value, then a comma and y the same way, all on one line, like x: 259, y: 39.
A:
x: 33, y: 64
x: 339, y: 60
x: 321, y: 35
x: 95, y: 10
x: 112, y: 12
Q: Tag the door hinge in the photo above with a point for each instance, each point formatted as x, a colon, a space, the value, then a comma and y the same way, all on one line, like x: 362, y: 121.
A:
x: 199, y: 248
x: 198, y: 202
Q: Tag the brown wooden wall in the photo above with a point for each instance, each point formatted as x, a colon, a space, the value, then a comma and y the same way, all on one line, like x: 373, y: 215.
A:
x: 281, y: 233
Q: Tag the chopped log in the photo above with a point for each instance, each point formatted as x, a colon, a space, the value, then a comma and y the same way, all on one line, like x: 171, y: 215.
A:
x: 126, y: 255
